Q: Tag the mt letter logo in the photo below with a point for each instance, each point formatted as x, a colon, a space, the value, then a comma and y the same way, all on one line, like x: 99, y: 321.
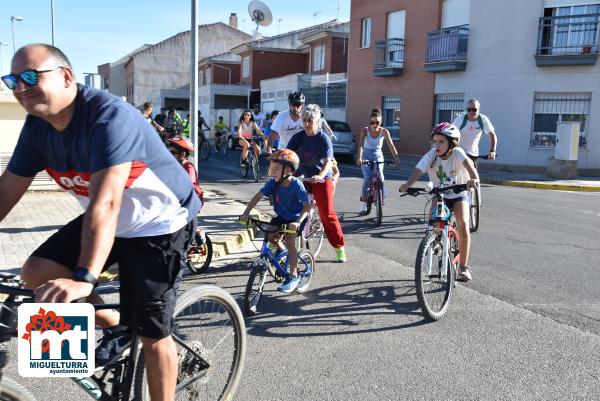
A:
x: 56, y: 340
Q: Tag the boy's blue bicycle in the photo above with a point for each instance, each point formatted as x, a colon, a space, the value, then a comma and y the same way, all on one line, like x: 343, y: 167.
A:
x: 275, y: 264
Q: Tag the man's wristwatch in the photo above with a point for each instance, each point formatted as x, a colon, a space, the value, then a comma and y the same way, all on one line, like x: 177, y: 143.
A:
x: 82, y: 274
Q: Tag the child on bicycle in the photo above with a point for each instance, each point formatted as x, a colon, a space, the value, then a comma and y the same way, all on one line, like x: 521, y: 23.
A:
x: 447, y: 164
x: 291, y: 206
x: 180, y: 148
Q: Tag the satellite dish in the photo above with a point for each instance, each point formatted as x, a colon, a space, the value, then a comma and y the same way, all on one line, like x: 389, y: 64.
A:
x: 260, y: 13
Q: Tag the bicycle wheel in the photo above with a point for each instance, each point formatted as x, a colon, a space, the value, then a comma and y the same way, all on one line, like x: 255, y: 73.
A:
x: 204, y: 150
x: 474, y: 205
x: 255, y: 286
x: 244, y: 166
x: 379, y: 201
x: 10, y: 390
x: 315, y: 235
x: 433, y: 283
x: 306, y: 270
x: 224, y: 147
x: 209, y: 322
x: 199, y: 256
x: 255, y: 167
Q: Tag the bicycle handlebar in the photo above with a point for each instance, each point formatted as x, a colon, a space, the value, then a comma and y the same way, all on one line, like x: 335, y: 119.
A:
x: 436, y: 191
x: 484, y: 157
x: 369, y: 162
x: 261, y: 226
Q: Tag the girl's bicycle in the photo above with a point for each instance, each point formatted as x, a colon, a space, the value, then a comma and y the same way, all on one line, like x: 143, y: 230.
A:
x: 276, y: 265
x: 437, y: 257
x: 208, y: 330
x: 375, y: 193
x: 252, y: 163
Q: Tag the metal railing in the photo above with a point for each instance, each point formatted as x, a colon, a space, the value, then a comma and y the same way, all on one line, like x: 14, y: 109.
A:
x: 568, y: 35
x: 448, y: 44
x: 389, y: 53
x: 327, y: 95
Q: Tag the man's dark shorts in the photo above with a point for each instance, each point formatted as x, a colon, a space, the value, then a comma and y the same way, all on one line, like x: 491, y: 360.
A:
x: 148, y: 272
x: 474, y: 159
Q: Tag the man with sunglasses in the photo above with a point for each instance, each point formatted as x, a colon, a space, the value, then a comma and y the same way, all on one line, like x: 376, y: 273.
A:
x: 288, y: 122
x: 139, y: 206
x: 471, y: 125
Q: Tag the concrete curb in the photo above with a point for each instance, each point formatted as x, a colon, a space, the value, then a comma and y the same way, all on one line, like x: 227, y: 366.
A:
x: 541, y: 185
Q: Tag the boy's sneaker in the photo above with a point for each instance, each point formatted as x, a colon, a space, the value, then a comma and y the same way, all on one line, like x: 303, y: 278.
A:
x: 290, y: 284
x: 464, y: 274
x: 112, y: 343
x: 340, y: 254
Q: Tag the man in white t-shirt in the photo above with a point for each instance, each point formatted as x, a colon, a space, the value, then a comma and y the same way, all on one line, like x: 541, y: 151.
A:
x: 472, y: 124
x: 259, y: 117
x: 288, y: 122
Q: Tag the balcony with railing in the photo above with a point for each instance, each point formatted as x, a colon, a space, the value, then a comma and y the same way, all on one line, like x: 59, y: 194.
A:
x: 568, y: 40
x: 447, y: 49
x: 389, y: 57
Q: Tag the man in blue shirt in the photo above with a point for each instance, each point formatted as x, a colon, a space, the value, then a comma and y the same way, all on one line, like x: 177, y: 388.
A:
x: 139, y: 206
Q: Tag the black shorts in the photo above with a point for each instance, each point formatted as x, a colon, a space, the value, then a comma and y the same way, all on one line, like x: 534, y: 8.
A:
x: 279, y: 221
x: 149, y: 270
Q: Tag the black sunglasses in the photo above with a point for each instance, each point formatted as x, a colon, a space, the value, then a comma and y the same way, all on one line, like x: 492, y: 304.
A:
x: 29, y: 77
x: 470, y: 110
x: 375, y: 122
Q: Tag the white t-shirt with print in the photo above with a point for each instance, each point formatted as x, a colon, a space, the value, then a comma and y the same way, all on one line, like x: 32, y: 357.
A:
x: 471, y: 133
x: 443, y: 173
x: 286, y: 127
x: 259, y: 119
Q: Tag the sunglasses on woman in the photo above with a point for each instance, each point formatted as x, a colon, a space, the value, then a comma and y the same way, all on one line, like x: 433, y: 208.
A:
x: 375, y: 122
x: 29, y: 78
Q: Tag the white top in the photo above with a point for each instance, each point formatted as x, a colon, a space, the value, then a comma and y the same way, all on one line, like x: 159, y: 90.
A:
x: 286, y: 127
x: 471, y: 133
x: 373, y: 143
x: 258, y: 118
x: 443, y: 173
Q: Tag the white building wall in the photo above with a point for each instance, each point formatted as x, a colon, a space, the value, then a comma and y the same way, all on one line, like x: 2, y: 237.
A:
x: 166, y: 65
x: 502, y: 73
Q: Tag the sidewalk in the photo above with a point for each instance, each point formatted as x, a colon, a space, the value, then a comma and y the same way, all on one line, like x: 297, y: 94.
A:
x: 39, y: 214
x: 490, y: 175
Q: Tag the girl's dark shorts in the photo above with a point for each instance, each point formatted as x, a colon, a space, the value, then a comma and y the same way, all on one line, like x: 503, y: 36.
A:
x: 148, y: 273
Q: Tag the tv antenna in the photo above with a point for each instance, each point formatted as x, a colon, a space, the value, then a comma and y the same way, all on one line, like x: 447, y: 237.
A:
x: 260, y: 14
x: 315, y: 16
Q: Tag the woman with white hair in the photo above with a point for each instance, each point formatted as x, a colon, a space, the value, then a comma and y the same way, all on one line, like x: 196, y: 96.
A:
x: 315, y: 151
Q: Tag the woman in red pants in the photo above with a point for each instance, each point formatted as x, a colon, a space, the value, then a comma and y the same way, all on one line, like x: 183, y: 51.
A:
x: 315, y: 151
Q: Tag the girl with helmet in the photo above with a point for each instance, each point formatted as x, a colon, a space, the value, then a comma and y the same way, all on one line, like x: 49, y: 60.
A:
x: 291, y: 206
x: 447, y: 164
x: 181, y: 148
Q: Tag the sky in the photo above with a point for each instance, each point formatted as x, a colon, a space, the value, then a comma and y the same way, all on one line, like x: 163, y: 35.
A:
x: 91, y: 32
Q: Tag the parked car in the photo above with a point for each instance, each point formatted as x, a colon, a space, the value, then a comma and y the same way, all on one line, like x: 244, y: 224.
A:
x: 344, y: 143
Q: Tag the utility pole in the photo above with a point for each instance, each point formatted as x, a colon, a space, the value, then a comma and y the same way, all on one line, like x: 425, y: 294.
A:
x: 52, y: 13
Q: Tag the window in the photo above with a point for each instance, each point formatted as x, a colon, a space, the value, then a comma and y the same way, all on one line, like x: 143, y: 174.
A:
x: 319, y: 63
x: 208, y: 73
x: 246, y: 67
x: 567, y: 34
x: 391, y: 115
x: 448, y: 106
x: 550, y: 108
x: 365, y: 32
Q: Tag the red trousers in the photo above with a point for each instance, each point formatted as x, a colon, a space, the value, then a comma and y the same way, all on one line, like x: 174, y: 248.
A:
x: 323, y: 194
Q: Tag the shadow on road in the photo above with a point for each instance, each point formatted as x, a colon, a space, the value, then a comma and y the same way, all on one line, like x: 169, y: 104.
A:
x: 336, y: 310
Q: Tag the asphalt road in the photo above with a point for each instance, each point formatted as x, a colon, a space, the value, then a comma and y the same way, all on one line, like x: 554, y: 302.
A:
x: 537, y: 249
x: 526, y: 328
